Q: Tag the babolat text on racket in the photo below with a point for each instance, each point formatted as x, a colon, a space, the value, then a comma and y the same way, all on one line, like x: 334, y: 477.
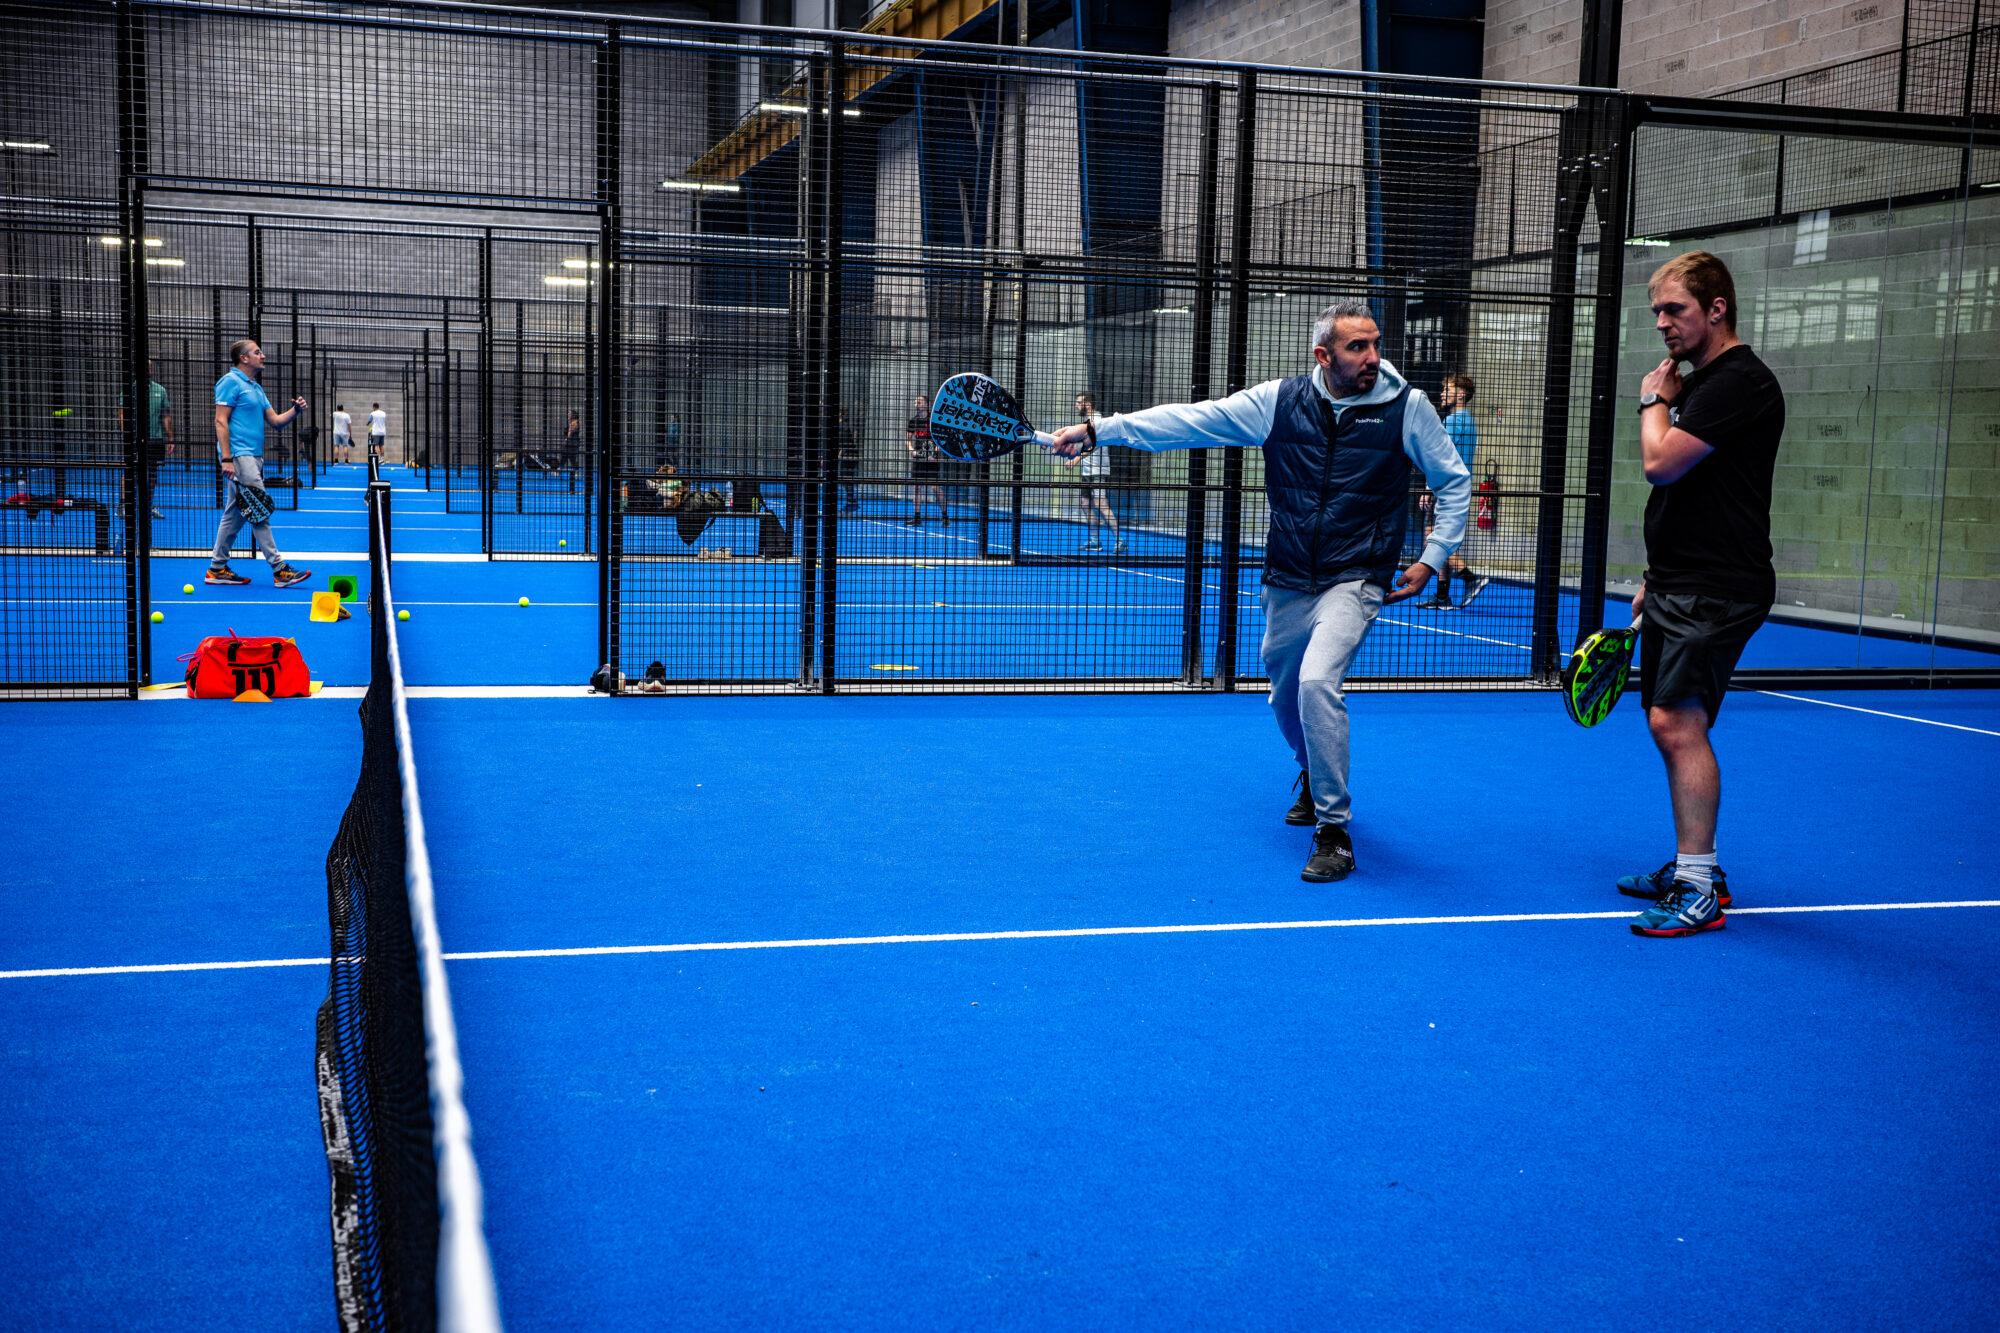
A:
x: 974, y: 419
x: 1594, y: 677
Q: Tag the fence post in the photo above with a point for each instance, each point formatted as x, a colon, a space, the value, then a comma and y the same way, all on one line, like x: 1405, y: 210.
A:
x: 1573, y: 187
x: 137, y: 493
x: 802, y: 494
x: 833, y: 196
x: 1236, y: 370
x: 1201, y: 383
x: 1613, y: 192
x: 608, y: 534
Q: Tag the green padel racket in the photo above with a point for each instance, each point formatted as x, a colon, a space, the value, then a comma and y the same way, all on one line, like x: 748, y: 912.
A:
x: 1593, y: 679
x: 974, y: 419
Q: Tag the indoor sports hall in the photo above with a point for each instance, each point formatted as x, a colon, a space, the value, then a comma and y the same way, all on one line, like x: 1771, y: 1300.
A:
x: 723, y: 864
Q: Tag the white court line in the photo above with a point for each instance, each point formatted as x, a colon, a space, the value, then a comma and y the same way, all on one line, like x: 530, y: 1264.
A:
x: 960, y: 937
x: 1457, y: 634
x: 1900, y: 717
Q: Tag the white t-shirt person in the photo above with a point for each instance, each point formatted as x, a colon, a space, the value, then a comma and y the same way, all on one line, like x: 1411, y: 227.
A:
x: 343, y: 426
x: 378, y: 422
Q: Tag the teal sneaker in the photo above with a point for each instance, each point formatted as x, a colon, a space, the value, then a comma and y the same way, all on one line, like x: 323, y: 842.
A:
x: 1685, y: 910
x: 1655, y: 886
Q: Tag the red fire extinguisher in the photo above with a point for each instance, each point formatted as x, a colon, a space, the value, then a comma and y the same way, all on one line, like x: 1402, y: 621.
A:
x: 1489, y: 502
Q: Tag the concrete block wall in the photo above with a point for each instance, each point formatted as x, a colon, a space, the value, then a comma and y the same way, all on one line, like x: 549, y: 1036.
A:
x: 1690, y: 48
x: 1324, y: 34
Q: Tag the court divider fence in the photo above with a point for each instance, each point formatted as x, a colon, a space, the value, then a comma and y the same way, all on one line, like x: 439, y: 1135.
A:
x: 667, y: 296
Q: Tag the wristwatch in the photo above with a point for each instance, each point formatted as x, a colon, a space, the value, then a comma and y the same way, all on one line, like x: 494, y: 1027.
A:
x: 1646, y: 400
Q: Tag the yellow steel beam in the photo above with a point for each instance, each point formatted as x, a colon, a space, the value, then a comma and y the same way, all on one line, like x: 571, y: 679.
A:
x: 762, y: 133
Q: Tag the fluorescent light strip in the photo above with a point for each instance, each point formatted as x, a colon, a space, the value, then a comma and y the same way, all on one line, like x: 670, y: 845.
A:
x: 794, y: 109
x: 152, y: 242
x: 702, y: 187
x: 22, y: 146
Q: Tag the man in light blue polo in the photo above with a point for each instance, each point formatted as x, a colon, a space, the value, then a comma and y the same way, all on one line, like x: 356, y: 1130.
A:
x: 241, y: 413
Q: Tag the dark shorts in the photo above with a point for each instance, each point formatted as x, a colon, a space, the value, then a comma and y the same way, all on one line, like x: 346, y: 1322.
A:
x: 156, y: 450
x: 1690, y: 645
x: 923, y: 469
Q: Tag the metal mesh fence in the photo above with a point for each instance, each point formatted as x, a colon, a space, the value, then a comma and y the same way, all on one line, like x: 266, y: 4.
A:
x: 671, y: 296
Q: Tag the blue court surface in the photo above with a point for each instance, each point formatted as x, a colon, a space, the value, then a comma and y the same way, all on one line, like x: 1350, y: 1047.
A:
x: 1011, y: 1011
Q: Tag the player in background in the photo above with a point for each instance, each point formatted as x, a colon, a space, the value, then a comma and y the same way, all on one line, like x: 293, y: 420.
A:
x: 1095, y: 464
x: 1455, y: 401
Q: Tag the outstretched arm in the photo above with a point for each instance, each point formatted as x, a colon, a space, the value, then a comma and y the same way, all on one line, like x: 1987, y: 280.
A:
x: 1240, y: 419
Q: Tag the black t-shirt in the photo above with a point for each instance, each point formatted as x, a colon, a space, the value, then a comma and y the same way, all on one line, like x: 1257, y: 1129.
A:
x: 1710, y: 532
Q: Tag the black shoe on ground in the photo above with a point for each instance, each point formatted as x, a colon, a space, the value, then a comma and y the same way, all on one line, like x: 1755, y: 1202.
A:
x: 225, y: 576
x: 1439, y: 603
x: 1332, y: 855
x: 1301, y: 814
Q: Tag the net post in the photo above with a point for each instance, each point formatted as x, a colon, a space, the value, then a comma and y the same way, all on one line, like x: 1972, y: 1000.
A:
x: 379, y: 609
x: 1237, y: 369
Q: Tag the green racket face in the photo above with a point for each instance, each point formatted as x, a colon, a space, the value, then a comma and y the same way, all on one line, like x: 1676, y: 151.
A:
x: 1594, y: 679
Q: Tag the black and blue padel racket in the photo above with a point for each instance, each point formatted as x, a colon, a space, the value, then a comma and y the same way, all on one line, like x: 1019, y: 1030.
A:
x: 255, y: 502
x: 1593, y: 680
x: 974, y: 419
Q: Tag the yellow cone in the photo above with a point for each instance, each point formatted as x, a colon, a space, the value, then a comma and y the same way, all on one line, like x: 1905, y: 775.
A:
x: 326, y: 606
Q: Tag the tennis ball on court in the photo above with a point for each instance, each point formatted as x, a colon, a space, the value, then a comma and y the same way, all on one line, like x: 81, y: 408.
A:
x: 188, y: 588
x: 524, y: 601
x: 563, y: 541
x: 159, y: 617
x: 402, y: 615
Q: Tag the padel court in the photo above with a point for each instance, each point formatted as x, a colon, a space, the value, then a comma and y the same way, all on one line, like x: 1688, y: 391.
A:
x: 1010, y: 1011
x: 739, y: 856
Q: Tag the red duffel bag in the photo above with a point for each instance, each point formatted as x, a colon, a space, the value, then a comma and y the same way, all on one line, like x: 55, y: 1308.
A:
x: 222, y: 668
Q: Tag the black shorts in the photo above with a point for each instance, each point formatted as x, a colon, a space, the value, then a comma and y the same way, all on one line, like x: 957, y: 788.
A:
x: 1689, y: 647
x: 156, y: 450
x: 923, y: 469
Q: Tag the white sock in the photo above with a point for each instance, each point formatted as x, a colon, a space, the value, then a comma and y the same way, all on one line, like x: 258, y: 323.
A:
x: 1696, y: 868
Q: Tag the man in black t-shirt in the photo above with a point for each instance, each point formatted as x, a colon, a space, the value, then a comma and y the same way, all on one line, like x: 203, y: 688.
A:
x: 1709, y: 443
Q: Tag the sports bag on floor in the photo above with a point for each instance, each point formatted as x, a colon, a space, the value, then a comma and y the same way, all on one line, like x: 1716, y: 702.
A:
x: 222, y: 668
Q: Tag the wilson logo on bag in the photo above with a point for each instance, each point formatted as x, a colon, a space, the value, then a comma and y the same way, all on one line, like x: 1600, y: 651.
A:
x: 222, y: 668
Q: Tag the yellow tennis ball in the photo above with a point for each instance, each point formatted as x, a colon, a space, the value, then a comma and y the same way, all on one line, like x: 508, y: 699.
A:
x: 159, y: 617
x: 563, y: 542
x: 524, y: 601
x: 402, y: 615
x: 188, y: 588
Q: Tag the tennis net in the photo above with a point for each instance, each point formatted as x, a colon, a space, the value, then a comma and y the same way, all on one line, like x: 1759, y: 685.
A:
x: 409, y: 1245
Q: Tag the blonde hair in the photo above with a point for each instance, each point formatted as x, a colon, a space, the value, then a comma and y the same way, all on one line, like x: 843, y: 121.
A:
x: 1705, y: 277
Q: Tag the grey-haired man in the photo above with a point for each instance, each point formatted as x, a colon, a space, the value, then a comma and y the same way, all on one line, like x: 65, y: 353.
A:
x: 1339, y: 442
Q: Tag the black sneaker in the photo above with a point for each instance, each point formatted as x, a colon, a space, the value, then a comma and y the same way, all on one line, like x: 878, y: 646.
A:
x: 225, y: 576
x: 1301, y: 814
x: 1473, y: 587
x: 284, y: 576
x: 1332, y: 855
x: 1438, y: 603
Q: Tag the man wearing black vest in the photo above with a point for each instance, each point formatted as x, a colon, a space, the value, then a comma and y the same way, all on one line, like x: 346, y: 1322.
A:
x: 1339, y: 444
x: 1709, y: 444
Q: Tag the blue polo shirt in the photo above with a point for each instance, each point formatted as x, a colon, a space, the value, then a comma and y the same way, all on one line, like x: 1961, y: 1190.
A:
x: 247, y: 403
x: 1464, y: 435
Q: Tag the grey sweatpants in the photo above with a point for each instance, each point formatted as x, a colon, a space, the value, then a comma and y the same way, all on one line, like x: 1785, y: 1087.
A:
x: 249, y: 471
x: 1309, y: 643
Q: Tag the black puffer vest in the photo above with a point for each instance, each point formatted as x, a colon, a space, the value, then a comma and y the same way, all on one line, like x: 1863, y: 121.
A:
x: 1339, y: 486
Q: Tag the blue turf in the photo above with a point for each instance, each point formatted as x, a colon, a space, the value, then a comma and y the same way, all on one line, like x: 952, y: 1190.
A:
x: 163, y: 1158
x: 1192, y: 1131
